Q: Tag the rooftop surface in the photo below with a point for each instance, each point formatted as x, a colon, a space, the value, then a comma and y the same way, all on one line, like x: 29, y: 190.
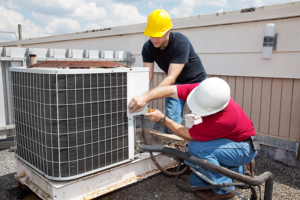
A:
x: 286, y: 184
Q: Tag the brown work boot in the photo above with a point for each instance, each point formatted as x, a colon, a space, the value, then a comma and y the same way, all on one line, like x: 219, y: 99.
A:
x: 249, y: 171
x: 249, y: 168
x: 211, y: 195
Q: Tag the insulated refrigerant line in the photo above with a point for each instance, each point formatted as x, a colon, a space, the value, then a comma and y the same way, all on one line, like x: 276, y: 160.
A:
x: 154, y: 160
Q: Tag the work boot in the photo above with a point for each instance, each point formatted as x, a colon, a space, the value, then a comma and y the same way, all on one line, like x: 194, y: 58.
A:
x: 249, y: 168
x: 211, y: 195
x: 249, y: 171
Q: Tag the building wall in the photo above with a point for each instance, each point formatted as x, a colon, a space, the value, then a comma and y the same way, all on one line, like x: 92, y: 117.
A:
x: 231, y: 49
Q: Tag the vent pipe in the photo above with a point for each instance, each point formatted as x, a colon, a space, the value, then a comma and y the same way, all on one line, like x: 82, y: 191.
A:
x: 32, y: 56
x: 20, y: 31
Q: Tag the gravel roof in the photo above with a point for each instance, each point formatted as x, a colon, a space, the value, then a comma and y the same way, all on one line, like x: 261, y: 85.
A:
x: 7, y: 172
x: 286, y: 185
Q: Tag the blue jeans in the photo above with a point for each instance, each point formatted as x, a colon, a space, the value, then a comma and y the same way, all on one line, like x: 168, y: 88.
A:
x: 221, y: 152
x: 174, y: 110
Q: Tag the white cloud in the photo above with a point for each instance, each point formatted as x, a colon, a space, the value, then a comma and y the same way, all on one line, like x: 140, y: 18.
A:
x: 53, y: 6
x: 90, y: 11
x: 82, y: 11
x: 186, y: 7
x: 221, y: 10
x: 11, y: 21
x: 66, y: 4
x: 93, y: 16
x: 258, y: 3
x: 61, y: 26
x: 30, y: 30
x: 9, y: 4
x: 42, y: 17
x: 220, y: 3
x: 239, y: 4
x: 151, y: 4
x: 119, y: 14
x: 91, y: 26
x: 61, y: 17
x: 55, y: 25
x: 184, y: 10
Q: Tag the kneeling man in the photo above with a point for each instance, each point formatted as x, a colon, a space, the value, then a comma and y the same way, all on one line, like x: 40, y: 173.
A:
x: 222, y: 138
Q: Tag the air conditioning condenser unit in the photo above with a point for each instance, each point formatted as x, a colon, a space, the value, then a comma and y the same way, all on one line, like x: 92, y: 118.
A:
x: 73, y: 122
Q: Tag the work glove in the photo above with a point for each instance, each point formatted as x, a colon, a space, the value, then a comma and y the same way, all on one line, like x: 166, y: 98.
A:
x: 191, y: 120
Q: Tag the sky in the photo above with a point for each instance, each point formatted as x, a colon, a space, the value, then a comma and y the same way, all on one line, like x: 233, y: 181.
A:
x: 53, y: 17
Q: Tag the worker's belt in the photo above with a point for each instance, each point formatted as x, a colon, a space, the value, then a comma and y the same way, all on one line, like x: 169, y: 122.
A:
x: 253, y: 140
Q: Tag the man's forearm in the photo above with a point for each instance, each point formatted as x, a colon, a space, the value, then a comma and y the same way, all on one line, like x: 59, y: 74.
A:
x: 150, y: 74
x: 150, y: 77
x: 169, y: 80
x: 151, y: 69
x: 162, y: 92
x: 178, y: 129
x: 137, y: 103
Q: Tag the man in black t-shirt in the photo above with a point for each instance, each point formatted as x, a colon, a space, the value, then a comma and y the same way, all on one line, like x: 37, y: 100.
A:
x: 175, y: 55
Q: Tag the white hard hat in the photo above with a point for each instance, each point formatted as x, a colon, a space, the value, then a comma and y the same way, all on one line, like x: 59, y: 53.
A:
x: 211, y: 96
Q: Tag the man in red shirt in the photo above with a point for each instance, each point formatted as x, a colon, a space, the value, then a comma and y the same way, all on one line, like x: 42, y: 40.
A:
x: 222, y: 136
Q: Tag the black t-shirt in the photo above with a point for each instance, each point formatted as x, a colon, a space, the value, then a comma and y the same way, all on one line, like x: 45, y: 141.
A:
x: 178, y: 51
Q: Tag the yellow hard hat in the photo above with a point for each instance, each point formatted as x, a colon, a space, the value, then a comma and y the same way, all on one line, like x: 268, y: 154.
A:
x: 158, y: 23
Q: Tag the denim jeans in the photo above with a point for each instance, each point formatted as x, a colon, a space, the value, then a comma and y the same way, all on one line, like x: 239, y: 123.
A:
x: 222, y: 152
x: 174, y: 110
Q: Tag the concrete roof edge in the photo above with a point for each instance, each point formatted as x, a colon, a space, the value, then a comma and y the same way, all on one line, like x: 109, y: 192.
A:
x: 261, y: 13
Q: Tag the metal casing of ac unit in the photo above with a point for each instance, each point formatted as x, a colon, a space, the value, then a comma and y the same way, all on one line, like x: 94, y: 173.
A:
x: 74, y: 122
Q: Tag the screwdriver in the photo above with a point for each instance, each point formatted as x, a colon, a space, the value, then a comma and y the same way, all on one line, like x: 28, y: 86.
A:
x: 149, y: 109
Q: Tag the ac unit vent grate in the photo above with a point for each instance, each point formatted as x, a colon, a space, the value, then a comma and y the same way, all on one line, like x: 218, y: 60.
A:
x: 70, y: 124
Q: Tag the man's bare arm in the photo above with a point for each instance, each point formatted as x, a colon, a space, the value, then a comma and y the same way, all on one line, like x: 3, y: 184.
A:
x: 173, y: 73
x: 151, y: 69
x: 176, y: 128
x: 137, y: 103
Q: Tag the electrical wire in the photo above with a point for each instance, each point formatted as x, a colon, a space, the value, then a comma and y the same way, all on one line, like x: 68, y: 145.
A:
x: 9, y: 32
x: 259, y: 192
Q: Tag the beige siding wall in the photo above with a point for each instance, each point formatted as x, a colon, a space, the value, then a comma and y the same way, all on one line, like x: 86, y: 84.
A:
x: 273, y: 104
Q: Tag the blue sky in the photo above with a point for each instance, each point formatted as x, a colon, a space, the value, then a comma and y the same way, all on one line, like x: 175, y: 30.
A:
x: 52, y: 17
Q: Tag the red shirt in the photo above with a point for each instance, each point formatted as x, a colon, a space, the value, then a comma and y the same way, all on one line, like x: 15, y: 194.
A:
x: 231, y: 123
